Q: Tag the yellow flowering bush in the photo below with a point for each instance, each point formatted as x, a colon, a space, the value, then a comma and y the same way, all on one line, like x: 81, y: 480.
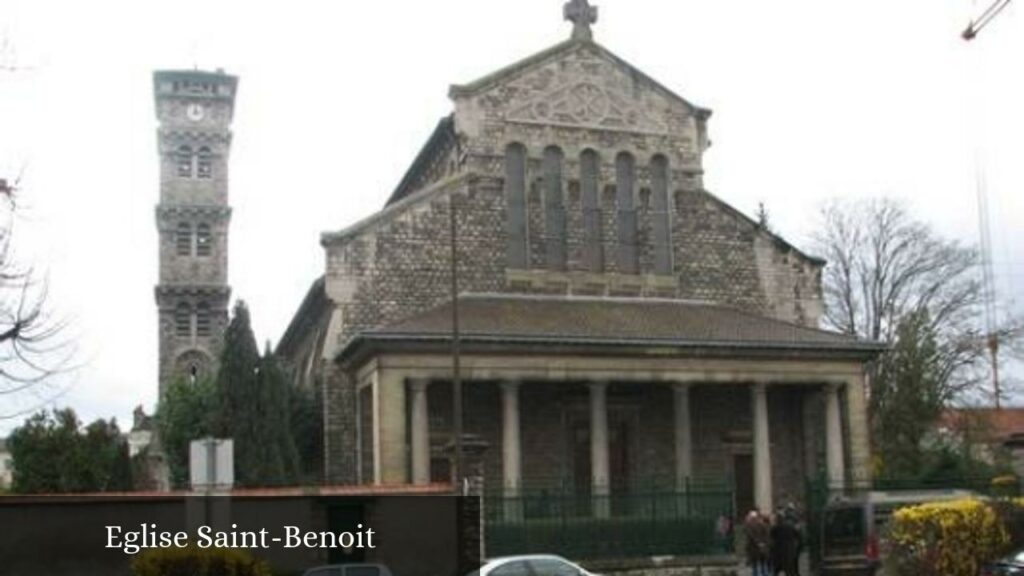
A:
x: 195, y: 561
x: 949, y: 538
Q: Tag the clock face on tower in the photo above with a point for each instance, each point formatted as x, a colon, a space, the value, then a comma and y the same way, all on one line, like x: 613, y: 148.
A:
x: 195, y: 112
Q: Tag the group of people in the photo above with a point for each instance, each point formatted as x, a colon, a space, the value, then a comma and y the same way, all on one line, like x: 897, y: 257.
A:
x: 774, y: 543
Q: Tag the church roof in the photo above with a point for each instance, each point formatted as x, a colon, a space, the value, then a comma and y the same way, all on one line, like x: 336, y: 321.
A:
x: 310, y: 312
x: 443, y: 134
x: 614, y: 322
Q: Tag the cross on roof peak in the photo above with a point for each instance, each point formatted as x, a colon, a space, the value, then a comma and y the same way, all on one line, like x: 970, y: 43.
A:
x: 582, y: 15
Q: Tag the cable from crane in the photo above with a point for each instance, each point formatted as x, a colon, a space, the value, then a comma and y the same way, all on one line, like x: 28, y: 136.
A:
x: 986, y: 17
x: 988, y: 284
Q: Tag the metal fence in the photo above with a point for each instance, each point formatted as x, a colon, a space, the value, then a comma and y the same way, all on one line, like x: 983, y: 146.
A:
x: 620, y: 525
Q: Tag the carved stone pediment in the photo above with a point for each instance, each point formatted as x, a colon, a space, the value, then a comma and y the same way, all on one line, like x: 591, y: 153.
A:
x: 585, y: 104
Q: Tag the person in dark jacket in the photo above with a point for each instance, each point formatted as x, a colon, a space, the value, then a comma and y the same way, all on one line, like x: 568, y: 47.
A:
x: 786, y: 542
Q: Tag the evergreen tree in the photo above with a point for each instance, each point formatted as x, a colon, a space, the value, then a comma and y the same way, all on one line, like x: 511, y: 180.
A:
x: 254, y: 408
x: 907, y: 396
x: 186, y: 412
x: 273, y: 392
x: 307, y: 430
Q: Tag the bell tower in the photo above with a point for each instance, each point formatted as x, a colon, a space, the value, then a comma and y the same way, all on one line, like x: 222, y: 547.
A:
x: 194, y: 109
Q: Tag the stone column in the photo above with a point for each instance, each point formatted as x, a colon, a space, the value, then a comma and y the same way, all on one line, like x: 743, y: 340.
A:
x: 857, y: 414
x: 599, y: 473
x: 683, y: 435
x: 762, y: 449
x: 390, y: 463
x: 834, y: 438
x: 511, y: 449
x: 419, y: 419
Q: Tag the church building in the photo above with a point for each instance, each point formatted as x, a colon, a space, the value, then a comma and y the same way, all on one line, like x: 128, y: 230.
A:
x: 620, y: 326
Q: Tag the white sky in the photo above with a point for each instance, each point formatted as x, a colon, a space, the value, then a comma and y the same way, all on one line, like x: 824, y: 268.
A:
x: 812, y: 100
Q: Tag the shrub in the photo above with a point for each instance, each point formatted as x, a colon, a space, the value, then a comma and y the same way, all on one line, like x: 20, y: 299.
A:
x: 1006, y: 486
x: 949, y: 538
x: 193, y: 561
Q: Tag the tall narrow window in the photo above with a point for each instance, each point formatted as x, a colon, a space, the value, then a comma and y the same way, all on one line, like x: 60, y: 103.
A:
x: 661, y: 227
x: 204, y: 166
x: 183, y: 159
x: 554, y: 209
x: 204, y: 240
x: 593, y: 253
x: 624, y: 179
x: 183, y: 320
x: 203, y: 319
x: 183, y: 239
x: 515, y: 196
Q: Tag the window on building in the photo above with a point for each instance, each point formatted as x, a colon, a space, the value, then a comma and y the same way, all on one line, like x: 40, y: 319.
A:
x: 515, y: 196
x: 204, y: 240
x: 203, y: 319
x: 183, y: 158
x: 554, y: 209
x: 183, y: 320
x: 661, y: 225
x: 593, y: 253
x: 626, y: 220
x: 183, y: 239
x: 204, y: 165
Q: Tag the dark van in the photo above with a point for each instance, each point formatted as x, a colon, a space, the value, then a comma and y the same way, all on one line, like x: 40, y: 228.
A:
x: 851, y: 528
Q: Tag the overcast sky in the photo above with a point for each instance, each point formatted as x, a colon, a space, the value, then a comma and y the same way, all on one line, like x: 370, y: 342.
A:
x: 812, y: 100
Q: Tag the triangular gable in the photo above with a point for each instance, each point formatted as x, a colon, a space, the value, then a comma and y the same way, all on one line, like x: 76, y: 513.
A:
x: 560, y: 51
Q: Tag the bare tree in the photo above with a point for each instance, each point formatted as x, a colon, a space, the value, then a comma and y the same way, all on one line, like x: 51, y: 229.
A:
x: 893, y: 279
x: 33, y: 348
x: 34, y: 345
x: 885, y: 266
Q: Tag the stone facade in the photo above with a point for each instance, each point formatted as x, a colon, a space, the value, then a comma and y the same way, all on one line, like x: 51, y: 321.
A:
x: 397, y: 262
x: 580, y: 98
x: 194, y: 109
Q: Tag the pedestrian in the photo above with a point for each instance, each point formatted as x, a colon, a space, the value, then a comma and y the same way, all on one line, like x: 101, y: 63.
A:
x: 757, y: 532
x: 785, y: 545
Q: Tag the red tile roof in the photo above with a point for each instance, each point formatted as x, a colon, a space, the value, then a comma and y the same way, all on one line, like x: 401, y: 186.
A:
x: 1001, y: 424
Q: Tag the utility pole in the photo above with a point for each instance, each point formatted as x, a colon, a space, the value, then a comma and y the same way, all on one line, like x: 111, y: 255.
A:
x: 456, y: 376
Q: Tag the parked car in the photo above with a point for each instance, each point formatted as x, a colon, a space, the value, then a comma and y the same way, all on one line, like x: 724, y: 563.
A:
x: 349, y: 570
x: 1012, y: 565
x: 851, y: 528
x: 531, y: 565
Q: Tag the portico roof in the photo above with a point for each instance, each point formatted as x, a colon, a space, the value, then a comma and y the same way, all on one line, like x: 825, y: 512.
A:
x: 604, y: 322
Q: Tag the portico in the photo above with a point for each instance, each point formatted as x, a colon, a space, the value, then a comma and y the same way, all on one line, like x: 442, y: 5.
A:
x: 614, y: 415
x: 408, y: 427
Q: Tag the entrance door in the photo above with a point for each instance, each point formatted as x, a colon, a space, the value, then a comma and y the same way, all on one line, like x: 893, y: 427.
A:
x: 743, y: 483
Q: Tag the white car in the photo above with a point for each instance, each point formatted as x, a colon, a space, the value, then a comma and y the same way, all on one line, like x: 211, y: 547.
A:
x: 531, y: 565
